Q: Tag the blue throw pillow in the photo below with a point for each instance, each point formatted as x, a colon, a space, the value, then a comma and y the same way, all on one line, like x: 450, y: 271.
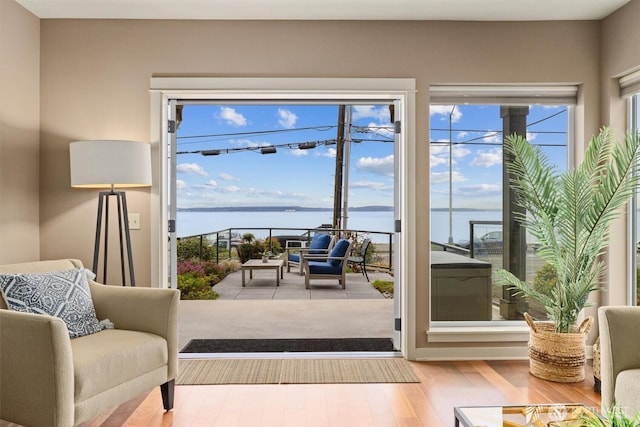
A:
x: 319, y: 241
x: 64, y: 294
x: 338, y: 251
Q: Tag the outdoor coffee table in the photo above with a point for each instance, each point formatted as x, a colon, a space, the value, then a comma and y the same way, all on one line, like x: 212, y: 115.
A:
x: 258, y: 264
x: 552, y: 415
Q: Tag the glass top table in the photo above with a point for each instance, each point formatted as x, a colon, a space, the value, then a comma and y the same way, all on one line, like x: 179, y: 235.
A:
x: 556, y: 415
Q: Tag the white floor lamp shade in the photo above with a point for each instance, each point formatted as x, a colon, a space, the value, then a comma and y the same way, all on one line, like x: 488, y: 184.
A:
x: 111, y: 164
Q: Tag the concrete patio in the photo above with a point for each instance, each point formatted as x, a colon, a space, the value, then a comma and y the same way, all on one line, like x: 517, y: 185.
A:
x: 262, y: 310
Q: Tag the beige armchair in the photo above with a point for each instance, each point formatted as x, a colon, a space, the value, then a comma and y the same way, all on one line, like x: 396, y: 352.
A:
x: 48, y: 379
x: 620, y: 358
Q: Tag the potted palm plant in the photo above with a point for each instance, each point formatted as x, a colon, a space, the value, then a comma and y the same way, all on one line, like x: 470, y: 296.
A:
x: 570, y: 215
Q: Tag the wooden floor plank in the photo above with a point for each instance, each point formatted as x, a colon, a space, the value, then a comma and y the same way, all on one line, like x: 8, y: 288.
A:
x: 442, y: 386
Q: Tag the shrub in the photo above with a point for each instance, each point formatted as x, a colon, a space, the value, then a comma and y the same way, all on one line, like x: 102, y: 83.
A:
x: 248, y: 237
x: 190, y: 249
x: 275, y: 247
x: 247, y: 251
x: 191, y: 266
x: 195, y: 287
x: 545, y: 279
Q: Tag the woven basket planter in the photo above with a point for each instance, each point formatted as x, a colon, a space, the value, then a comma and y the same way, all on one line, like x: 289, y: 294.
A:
x: 554, y: 356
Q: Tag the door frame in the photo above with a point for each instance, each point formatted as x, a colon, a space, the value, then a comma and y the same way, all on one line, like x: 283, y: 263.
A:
x: 396, y: 90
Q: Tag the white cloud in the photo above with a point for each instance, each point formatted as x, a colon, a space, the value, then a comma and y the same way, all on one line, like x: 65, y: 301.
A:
x: 286, y: 118
x: 386, y: 131
x: 381, y: 114
x: 191, y: 169
x: 442, y: 177
x: 462, y: 134
x: 492, y: 137
x: 445, y: 110
x: 231, y: 117
x: 480, y: 190
x: 460, y: 152
x: 330, y: 152
x: 211, y: 184
x: 437, y: 161
x: 439, y: 149
x: 181, y: 185
x: 226, y: 176
x: 488, y: 158
x: 299, y: 153
x: 439, y: 154
x: 248, y: 143
x: 373, y: 185
x: 230, y: 189
x: 377, y: 165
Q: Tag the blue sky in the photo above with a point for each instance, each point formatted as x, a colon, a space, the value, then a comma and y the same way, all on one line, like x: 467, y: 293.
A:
x: 477, y: 165
x: 291, y: 176
x: 306, y: 177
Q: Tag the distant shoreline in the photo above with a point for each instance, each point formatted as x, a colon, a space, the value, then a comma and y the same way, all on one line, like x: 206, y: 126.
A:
x: 283, y: 209
x: 380, y: 208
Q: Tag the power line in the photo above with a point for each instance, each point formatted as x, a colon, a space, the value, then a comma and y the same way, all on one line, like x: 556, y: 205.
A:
x: 258, y: 132
x: 264, y: 149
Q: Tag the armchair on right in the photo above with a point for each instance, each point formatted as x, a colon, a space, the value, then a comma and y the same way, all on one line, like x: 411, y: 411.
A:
x: 620, y: 358
x: 333, y: 266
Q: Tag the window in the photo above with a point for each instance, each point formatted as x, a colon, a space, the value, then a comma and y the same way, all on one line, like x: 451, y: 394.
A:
x: 473, y: 230
x: 630, y: 88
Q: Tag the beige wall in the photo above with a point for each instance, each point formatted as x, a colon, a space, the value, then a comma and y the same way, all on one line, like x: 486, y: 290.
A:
x: 19, y: 139
x: 95, y: 77
x: 89, y: 79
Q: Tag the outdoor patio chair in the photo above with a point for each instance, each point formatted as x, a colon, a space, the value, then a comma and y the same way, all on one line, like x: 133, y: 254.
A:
x: 361, y: 258
x: 321, y: 244
x: 332, y: 267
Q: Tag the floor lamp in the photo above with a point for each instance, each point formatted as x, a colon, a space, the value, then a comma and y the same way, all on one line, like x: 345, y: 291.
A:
x: 111, y: 165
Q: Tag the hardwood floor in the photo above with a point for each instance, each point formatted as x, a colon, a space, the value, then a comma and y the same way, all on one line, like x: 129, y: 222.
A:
x: 430, y: 403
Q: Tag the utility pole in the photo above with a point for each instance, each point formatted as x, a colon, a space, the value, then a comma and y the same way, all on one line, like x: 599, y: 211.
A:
x: 337, y: 186
x: 347, y: 164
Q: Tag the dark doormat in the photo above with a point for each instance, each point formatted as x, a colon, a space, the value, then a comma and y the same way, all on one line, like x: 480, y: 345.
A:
x: 287, y: 345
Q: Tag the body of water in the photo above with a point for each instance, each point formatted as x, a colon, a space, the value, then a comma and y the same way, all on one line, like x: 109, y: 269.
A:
x: 460, y: 221
x: 194, y: 223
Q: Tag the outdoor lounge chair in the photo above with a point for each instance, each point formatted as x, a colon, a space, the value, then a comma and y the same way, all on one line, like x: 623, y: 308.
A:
x: 361, y: 259
x: 332, y: 267
x: 321, y: 244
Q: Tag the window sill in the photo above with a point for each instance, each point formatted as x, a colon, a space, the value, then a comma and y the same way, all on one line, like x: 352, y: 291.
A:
x: 478, y: 334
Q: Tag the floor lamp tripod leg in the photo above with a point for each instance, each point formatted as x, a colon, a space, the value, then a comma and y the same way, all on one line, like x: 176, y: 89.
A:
x: 127, y: 233
x: 96, y: 248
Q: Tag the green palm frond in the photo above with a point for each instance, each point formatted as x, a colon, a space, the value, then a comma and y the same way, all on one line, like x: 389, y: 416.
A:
x: 570, y: 215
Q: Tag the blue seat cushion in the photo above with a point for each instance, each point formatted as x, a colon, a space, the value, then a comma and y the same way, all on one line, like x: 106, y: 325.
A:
x: 323, y: 267
x: 338, y: 251
x: 319, y: 241
x: 294, y: 258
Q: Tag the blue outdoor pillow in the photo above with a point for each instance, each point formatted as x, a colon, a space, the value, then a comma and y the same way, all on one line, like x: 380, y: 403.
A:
x: 319, y: 241
x: 338, y: 251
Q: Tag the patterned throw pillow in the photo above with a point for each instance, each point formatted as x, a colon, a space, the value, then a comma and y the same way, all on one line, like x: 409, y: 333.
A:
x: 64, y: 294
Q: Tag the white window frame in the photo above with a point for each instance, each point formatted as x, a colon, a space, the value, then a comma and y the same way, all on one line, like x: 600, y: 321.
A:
x: 322, y: 89
x: 511, y: 94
